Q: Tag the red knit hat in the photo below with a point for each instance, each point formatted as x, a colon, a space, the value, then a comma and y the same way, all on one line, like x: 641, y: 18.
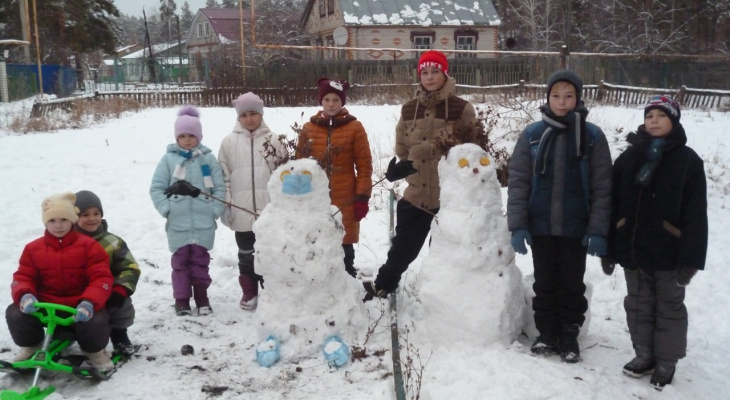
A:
x: 327, y: 85
x: 433, y: 58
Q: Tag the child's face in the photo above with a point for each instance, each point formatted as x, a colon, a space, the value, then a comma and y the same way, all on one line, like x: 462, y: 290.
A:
x: 59, y: 227
x: 332, y: 104
x: 250, y: 120
x: 657, y: 123
x: 562, y: 98
x: 187, y: 141
x: 90, y: 219
x: 432, y: 78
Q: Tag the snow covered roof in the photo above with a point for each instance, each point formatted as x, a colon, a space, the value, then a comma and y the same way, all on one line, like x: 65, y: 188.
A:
x: 225, y: 23
x: 156, y: 49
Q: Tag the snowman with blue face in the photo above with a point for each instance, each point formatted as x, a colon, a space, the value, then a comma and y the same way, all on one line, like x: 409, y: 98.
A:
x: 310, y: 303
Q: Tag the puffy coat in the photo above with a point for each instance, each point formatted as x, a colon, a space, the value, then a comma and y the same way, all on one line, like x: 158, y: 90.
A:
x: 428, y: 116
x: 189, y: 220
x: 63, y: 271
x: 662, y: 226
x: 341, y: 147
x: 247, y: 160
x: 124, y: 267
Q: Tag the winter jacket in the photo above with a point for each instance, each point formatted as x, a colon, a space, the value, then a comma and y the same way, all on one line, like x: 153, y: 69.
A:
x: 189, y: 220
x: 64, y: 271
x: 427, y: 117
x: 247, y: 160
x: 340, y: 145
x: 561, y: 194
x: 124, y: 267
x: 661, y: 226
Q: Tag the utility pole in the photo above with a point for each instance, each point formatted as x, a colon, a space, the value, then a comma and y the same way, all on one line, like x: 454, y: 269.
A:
x: 150, y: 62
x: 38, y: 50
x: 179, y: 50
x: 243, y: 59
x: 25, y: 26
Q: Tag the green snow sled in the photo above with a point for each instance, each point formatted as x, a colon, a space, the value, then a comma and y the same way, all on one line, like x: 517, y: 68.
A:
x: 49, y: 357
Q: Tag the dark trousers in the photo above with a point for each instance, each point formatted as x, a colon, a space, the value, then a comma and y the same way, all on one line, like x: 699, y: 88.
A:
x: 349, y: 259
x: 189, y: 268
x: 560, y: 263
x: 27, y: 330
x: 245, y: 242
x: 656, y: 314
x: 411, y: 230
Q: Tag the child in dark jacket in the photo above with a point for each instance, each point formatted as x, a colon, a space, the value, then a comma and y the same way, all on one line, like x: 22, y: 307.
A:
x: 659, y: 235
x: 62, y: 267
x: 559, y: 203
x: 123, y: 266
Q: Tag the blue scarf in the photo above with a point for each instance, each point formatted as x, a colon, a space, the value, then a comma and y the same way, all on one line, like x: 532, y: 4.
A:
x: 187, y: 155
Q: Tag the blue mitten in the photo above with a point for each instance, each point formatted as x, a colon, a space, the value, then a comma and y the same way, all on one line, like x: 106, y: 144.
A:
x: 84, y: 311
x: 27, y: 304
x: 519, y: 237
x: 596, y: 245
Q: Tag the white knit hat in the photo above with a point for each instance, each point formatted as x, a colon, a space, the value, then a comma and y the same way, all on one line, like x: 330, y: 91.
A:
x: 248, y: 102
x: 59, y: 206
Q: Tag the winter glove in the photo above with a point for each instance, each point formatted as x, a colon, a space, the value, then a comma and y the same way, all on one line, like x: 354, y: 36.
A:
x: 596, y: 245
x: 27, y: 304
x: 84, y: 311
x: 608, y: 265
x: 684, y: 275
x: 400, y: 170
x: 183, y: 188
x: 361, y: 207
x: 519, y: 237
x: 117, y: 298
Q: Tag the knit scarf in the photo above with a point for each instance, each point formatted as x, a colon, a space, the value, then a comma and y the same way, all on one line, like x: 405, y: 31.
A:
x: 574, y: 123
x: 654, y: 148
x: 188, y: 155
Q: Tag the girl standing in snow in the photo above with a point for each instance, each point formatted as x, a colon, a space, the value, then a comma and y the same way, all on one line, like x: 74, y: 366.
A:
x: 659, y: 235
x: 62, y: 267
x: 338, y: 141
x: 186, y: 168
x: 247, y: 157
x: 435, y: 113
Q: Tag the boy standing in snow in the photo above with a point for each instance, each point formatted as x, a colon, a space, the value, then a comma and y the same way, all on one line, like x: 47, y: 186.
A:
x: 659, y: 235
x: 247, y: 157
x: 338, y: 141
x: 559, y: 203
x: 123, y: 267
x: 62, y: 267
x: 187, y: 167
x: 435, y: 113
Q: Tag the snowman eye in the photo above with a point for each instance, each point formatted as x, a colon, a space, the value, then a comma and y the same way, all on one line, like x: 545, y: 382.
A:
x: 307, y: 173
x: 484, y: 161
x: 463, y: 162
x: 283, y: 174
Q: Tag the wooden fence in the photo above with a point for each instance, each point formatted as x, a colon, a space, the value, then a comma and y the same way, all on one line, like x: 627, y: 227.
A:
x: 604, y: 93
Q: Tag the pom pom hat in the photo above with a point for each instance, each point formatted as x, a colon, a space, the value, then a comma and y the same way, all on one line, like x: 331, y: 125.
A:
x: 668, y: 105
x: 249, y: 102
x: 59, y: 206
x: 327, y: 85
x: 86, y: 199
x: 569, y: 76
x: 433, y: 58
x: 188, y: 121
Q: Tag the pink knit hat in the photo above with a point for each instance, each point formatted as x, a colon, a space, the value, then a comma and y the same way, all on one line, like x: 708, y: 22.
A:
x: 188, y: 121
x: 248, y: 102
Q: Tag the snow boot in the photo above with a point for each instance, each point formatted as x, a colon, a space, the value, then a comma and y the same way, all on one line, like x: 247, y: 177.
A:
x: 250, y: 288
x: 544, y: 345
x: 182, y: 307
x: 569, y: 349
x: 373, y: 291
x: 205, y: 310
x: 663, y: 374
x: 200, y: 294
x: 102, y: 362
x: 26, y: 353
x: 121, y: 343
x: 350, y: 259
x: 267, y: 352
x: 642, y: 364
x: 336, y: 352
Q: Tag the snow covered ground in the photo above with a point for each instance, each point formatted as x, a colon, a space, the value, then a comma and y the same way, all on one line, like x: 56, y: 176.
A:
x: 116, y: 159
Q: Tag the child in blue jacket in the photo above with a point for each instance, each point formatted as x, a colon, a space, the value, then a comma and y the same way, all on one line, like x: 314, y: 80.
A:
x: 190, y: 219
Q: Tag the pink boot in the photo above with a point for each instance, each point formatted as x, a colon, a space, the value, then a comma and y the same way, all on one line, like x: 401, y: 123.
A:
x: 250, y: 288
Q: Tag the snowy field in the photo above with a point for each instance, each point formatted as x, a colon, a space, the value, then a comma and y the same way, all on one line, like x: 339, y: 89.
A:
x: 116, y: 160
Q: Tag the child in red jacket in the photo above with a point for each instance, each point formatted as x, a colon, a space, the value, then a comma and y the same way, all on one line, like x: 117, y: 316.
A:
x: 62, y: 267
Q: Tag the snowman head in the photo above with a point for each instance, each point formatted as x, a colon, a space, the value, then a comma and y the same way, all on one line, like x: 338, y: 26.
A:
x: 299, y: 180
x: 466, y: 173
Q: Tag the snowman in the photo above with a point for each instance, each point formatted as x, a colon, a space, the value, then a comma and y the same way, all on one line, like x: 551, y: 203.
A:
x: 471, y: 290
x: 310, y: 302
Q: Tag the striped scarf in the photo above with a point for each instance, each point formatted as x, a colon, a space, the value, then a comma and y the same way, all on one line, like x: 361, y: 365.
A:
x: 188, y: 155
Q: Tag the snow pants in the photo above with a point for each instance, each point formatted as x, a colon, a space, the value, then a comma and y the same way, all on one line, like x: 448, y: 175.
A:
x: 656, y: 314
x: 245, y: 242
x: 189, y: 268
x: 121, y: 317
x: 560, y: 264
x: 411, y: 230
x: 27, y: 330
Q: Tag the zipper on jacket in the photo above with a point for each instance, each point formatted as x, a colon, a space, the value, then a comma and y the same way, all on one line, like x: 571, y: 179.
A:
x: 253, y: 179
x: 327, y: 160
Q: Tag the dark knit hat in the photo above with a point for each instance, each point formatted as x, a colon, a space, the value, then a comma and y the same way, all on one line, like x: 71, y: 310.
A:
x: 86, y: 199
x: 668, y: 105
x: 433, y: 58
x: 327, y: 85
x: 569, y: 76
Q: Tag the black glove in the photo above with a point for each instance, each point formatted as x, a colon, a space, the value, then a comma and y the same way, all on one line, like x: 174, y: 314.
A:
x: 115, y: 300
x: 608, y: 265
x: 183, y: 188
x: 400, y: 170
x: 684, y: 275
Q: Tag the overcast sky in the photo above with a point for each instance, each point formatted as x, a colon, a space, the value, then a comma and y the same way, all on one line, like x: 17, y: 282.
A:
x: 134, y: 7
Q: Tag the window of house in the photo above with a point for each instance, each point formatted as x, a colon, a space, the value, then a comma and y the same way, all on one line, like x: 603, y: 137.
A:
x: 322, y: 9
x: 207, y: 29
x: 424, y: 42
x: 330, y: 7
x: 465, y: 40
x: 200, y: 30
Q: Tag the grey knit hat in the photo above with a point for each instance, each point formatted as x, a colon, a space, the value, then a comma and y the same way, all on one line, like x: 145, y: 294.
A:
x: 86, y: 199
x: 569, y: 76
